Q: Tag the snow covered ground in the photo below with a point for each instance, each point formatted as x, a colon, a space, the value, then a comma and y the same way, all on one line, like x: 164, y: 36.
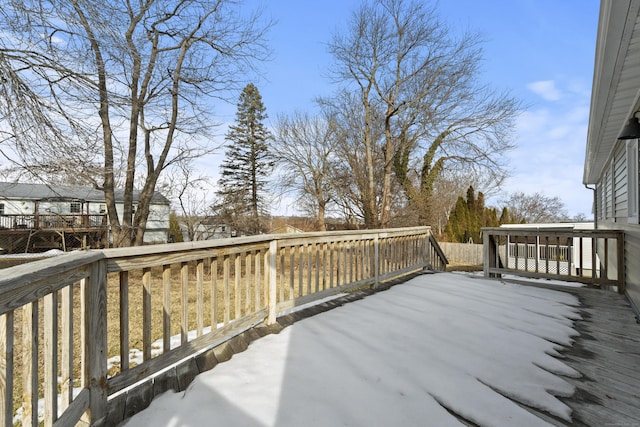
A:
x: 399, y: 357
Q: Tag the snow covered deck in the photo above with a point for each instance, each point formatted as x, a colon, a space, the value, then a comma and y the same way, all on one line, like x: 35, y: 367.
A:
x: 440, y: 349
x: 607, y: 353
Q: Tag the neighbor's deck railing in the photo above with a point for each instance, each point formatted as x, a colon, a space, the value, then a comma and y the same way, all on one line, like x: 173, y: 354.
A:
x: 51, y: 221
x: 588, y: 256
x: 107, y: 330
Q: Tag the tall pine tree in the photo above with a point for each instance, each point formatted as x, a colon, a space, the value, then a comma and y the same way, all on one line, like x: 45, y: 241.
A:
x: 246, y: 166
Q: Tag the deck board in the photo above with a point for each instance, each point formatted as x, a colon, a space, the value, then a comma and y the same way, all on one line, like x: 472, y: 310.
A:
x: 607, y: 353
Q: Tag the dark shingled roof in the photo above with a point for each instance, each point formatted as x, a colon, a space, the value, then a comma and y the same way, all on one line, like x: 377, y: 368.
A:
x: 17, y: 190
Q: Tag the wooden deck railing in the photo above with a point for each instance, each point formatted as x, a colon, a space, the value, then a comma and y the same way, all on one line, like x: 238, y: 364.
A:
x: 98, y: 331
x: 51, y: 221
x: 593, y: 257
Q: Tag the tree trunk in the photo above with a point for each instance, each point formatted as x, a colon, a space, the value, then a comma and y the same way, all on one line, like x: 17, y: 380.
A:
x: 320, y: 219
x: 369, y: 196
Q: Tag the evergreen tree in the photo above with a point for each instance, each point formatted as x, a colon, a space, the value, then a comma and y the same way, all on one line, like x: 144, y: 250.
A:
x: 458, y: 222
x: 246, y: 166
x: 471, y: 199
x: 469, y: 216
x: 491, y: 219
x: 505, y: 218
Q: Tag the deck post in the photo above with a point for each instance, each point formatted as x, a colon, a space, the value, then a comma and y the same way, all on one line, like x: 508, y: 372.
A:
x: 6, y: 369
x: 376, y: 260
x: 621, y: 264
x: 95, y: 344
x: 273, y: 277
x: 489, y: 255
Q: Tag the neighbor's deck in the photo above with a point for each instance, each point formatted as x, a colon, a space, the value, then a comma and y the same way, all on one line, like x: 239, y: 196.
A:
x: 36, y: 232
x: 607, y: 353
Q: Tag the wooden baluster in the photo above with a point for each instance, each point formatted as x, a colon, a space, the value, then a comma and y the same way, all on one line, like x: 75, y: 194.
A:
x: 199, y: 296
x: 50, y: 323
x: 6, y: 369
x: 146, y: 313
x: 166, y: 308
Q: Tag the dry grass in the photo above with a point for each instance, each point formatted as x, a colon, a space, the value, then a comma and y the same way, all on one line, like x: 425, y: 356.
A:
x: 242, y: 300
x: 453, y: 266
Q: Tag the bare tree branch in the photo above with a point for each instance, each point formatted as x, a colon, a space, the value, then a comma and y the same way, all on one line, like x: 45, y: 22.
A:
x: 114, y: 93
x: 417, y: 89
x: 305, y: 149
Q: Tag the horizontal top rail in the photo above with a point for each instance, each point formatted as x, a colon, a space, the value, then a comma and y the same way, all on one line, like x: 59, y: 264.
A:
x: 82, y: 314
x: 24, y: 283
x: 582, y: 255
x: 551, y: 232
x: 187, y: 250
x: 235, y: 241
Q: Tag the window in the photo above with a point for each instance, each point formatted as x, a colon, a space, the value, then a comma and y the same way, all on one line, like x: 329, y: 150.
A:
x: 76, y: 207
x: 632, y: 177
x: 1, y: 208
x: 103, y: 208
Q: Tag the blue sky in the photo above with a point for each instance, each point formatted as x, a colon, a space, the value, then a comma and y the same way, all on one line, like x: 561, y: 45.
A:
x: 542, y: 51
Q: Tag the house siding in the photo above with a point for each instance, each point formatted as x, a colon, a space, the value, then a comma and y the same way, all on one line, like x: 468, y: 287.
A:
x: 610, y: 163
x: 614, y: 189
x: 631, y: 257
x: 35, y: 197
x: 619, y: 183
x: 157, y: 224
x: 606, y: 194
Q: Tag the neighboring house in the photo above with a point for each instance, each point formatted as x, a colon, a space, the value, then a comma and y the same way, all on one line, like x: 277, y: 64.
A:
x: 611, y: 163
x: 286, y: 229
x: 206, y: 230
x: 39, y: 216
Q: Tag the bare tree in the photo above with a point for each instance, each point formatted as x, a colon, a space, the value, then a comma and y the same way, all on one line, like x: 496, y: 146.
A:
x: 116, y: 92
x: 189, y: 192
x: 535, y: 208
x: 471, y: 142
x: 305, y: 149
x: 419, y: 97
x: 357, y: 175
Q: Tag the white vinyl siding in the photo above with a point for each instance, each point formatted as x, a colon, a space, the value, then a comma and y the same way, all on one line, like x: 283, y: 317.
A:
x: 632, y: 179
x: 606, y: 194
x: 619, y: 174
x: 618, y: 193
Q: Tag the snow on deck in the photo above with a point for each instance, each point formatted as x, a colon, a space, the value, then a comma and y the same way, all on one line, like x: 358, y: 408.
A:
x: 432, y: 351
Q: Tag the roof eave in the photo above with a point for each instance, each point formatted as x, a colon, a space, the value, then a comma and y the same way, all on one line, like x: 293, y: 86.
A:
x: 609, y: 104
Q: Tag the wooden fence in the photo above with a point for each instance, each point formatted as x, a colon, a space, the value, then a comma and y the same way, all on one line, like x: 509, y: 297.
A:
x: 463, y: 253
x: 588, y: 256
x: 83, y: 335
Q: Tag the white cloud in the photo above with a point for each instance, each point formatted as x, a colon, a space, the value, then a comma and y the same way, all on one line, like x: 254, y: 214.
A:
x: 549, y: 157
x: 545, y: 89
